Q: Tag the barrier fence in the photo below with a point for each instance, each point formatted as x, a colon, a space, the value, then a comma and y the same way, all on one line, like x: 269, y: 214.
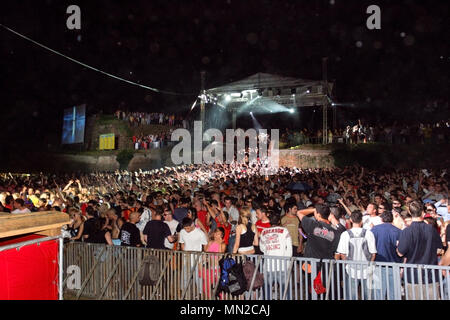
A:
x: 112, y: 272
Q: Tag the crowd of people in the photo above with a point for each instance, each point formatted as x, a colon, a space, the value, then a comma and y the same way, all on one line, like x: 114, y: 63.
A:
x: 136, y: 119
x: 403, y: 216
x: 152, y: 141
x: 423, y: 133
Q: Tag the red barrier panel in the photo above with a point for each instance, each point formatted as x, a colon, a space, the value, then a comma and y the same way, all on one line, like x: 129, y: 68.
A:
x: 29, y: 272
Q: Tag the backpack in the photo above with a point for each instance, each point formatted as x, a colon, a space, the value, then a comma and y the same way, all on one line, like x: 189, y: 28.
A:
x: 149, y: 274
x: 237, y: 284
x: 358, y: 248
x: 249, y: 270
x: 232, y: 278
x: 225, y: 265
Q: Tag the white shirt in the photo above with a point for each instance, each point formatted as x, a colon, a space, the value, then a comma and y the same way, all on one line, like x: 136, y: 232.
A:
x: 194, y: 240
x: 276, y: 241
x: 343, y: 248
x: 173, y: 227
x: 146, y: 216
x: 26, y: 210
x: 369, y: 220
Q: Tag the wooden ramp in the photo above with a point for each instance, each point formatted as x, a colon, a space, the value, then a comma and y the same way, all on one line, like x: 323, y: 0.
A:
x: 47, y: 223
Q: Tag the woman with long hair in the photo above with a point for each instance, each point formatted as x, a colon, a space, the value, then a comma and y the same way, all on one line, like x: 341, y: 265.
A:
x: 246, y: 235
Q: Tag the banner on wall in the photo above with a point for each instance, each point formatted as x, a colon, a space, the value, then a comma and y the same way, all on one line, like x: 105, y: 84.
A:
x: 107, y: 141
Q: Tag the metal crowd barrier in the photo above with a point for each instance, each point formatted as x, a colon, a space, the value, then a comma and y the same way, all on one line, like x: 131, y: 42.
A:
x: 111, y: 272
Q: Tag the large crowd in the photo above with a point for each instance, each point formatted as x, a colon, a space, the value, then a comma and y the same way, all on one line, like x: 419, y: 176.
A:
x: 136, y: 119
x: 423, y: 133
x: 152, y: 141
x: 402, y: 215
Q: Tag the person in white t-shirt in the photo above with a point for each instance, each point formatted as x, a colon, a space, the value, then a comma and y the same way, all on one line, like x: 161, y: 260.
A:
x: 172, y: 223
x: 19, y: 206
x: 358, y: 244
x: 275, y: 242
x: 371, y: 217
x: 191, y: 239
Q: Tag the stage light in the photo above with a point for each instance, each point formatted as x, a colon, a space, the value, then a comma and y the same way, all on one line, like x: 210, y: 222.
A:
x: 291, y: 110
x: 308, y: 91
x: 227, y: 97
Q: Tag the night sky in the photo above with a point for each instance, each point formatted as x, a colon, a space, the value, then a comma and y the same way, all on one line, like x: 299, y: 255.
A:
x: 165, y: 44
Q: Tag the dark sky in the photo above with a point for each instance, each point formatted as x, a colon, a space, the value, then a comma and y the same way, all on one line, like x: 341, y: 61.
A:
x: 165, y: 44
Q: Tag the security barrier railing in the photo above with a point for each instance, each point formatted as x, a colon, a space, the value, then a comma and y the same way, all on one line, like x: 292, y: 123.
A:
x: 112, y: 272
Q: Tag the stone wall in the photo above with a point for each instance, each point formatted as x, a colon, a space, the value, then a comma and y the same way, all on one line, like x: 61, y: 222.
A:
x: 54, y: 162
x: 94, y: 129
x: 306, y: 159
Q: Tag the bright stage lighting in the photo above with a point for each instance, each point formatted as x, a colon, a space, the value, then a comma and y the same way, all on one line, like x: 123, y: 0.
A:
x: 227, y: 97
x: 291, y: 110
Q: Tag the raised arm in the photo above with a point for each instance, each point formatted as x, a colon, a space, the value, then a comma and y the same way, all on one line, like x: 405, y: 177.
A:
x: 68, y: 185
x: 341, y: 201
x: 305, y: 212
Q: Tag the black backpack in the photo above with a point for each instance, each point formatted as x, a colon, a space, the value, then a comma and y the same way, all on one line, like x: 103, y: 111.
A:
x: 149, y: 274
x: 237, y: 284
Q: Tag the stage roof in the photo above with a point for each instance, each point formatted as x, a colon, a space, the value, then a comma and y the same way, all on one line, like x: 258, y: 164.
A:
x: 263, y: 81
x: 308, y: 92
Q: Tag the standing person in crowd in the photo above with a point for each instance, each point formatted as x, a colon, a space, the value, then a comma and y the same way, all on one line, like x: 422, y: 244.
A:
x: 233, y: 216
x: 191, y: 238
x: 386, y: 240
x: 173, y: 224
x: 89, y: 224
x: 323, y: 234
x: 146, y: 215
x: 19, y: 206
x: 420, y: 244
x: 216, y: 243
x: 357, y: 244
x: 181, y: 212
x: 263, y: 213
x: 322, y: 231
x: 9, y: 203
x: 291, y: 222
x: 130, y: 235
x: 371, y: 217
x: 443, y: 208
x: 219, y: 219
x: 192, y: 213
x: 246, y: 233
x: 276, y: 241
x: 156, y: 231
x: 113, y: 225
x: 76, y: 227
x: 99, y: 233
x: 202, y: 214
